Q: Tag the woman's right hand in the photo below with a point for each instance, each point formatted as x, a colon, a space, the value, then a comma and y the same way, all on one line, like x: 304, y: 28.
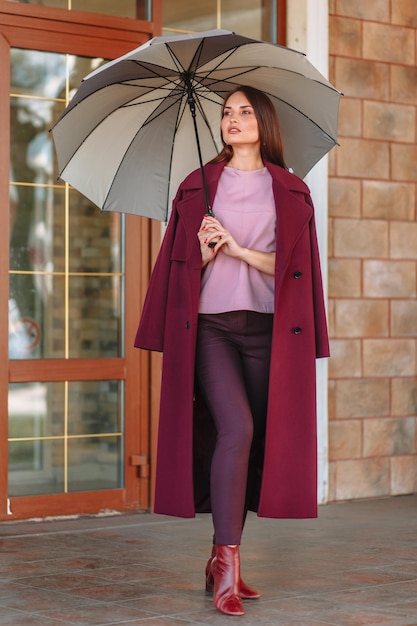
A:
x: 207, y: 235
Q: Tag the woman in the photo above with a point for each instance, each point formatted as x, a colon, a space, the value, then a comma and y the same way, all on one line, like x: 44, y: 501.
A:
x: 235, y: 302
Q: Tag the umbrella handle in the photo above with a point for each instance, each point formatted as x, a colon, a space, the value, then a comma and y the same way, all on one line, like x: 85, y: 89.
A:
x: 210, y: 213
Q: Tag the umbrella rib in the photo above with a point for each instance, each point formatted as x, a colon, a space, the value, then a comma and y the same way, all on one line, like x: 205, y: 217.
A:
x: 180, y: 67
x: 180, y: 114
x: 153, y: 116
x: 174, y: 57
x: 165, y: 70
x: 174, y: 97
x: 203, y: 114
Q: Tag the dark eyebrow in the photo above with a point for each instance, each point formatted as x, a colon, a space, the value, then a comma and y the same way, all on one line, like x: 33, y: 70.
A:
x: 243, y: 106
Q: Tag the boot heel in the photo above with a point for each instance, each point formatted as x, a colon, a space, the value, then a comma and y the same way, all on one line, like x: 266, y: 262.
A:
x: 209, y: 575
x: 210, y: 583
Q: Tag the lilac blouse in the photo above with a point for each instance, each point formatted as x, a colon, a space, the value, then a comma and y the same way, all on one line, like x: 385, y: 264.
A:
x: 244, y: 204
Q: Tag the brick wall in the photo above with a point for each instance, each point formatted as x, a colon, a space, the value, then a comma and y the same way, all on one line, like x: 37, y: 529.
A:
x: 373, y: 250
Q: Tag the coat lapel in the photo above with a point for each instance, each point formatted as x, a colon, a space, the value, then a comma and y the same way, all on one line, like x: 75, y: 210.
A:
x: 293, y: 216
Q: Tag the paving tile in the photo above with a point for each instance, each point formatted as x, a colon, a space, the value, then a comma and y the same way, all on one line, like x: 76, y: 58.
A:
x: 38, y: 600
x: 360, y: 616
x: 97, y: 615
x: 109, y: 592
x: 26, y: 619
x: 170, y: 603
x: 8, y: 589
x: 62, y: 581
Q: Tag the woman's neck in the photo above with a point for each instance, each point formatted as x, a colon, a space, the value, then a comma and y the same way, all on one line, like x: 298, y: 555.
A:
x: 246, y: 160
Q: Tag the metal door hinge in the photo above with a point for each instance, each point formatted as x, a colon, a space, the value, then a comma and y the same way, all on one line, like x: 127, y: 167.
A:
x: 140, y: 461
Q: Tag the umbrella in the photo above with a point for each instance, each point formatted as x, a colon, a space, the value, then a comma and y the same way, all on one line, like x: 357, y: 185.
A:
x: 139, y: 124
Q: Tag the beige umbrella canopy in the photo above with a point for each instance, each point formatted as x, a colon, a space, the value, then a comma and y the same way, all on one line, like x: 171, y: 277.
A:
x: 139, y: 124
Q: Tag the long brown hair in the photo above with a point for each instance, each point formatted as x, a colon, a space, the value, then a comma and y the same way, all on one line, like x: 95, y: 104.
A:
x: 271, y: 145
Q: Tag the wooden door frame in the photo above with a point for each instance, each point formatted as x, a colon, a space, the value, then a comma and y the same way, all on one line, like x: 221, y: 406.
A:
x: 84, y: 34
x: 4, y: 266
x: 282, y: 22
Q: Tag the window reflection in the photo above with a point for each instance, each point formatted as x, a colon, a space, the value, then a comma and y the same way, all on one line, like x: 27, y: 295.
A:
x: 94, y: 407
x: 37, y: 316
x: 36, y: 467
x: 36, y: 438
x: 94, y: 316
x: 93, y: 464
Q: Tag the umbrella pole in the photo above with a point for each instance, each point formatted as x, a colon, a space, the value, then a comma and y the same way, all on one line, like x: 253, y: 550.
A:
x: 191, y: 104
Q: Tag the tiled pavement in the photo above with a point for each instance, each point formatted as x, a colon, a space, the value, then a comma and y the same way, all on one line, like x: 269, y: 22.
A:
x: 355, y: 565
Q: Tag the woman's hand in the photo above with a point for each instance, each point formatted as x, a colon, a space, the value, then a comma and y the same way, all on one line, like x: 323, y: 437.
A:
x: 212, y: 231
x: 213, y: 237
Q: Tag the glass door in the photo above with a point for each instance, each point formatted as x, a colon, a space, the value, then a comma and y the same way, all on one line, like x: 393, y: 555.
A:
x: 77, y: 392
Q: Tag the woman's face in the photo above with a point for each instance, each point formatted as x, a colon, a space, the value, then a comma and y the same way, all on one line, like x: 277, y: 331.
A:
x: 239, y: 125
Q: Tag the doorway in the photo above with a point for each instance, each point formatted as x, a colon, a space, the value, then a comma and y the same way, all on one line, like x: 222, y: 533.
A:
x: 74, y: 399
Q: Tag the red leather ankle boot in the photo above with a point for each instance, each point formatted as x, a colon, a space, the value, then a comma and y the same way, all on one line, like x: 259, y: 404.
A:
x: 245, y: 592
x: 225, y: 568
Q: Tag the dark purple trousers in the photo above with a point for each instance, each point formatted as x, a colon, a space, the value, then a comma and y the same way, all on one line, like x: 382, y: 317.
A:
x: 232, y: 367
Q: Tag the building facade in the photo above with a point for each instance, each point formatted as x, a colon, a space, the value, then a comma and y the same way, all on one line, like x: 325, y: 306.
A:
x: 78, y: 405
x: 372, y: 256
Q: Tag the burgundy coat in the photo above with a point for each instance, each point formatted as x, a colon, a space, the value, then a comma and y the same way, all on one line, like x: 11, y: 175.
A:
x: 288, y: 488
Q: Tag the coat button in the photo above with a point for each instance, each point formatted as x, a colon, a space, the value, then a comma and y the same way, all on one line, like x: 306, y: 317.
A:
x: 297, y: 330
x: 297, y: 274
x: 187, y: 325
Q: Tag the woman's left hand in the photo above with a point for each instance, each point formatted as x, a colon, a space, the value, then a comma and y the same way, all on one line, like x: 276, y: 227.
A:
x: 216, y: 233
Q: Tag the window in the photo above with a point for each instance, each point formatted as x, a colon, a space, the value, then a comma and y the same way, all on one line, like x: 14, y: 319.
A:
x: 259, y: 19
